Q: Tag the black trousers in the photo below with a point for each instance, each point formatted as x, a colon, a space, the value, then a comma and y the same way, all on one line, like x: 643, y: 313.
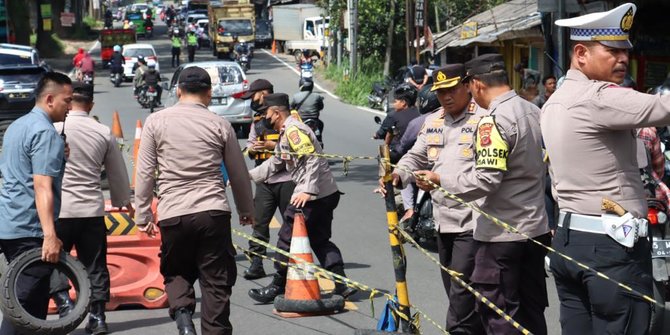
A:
x: 33, y: 284
x: 199, y: 247
x: 457, y: 252
x: 267, y: 199
x: 89, y: 237
x: 511, y: 275
x: 175, y: 55
x: 590, y: 304
x: 191, y: 53
x: 318, y: 220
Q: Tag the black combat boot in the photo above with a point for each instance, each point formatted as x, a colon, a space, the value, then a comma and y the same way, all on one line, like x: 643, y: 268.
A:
x: 267, y: 294
x: 342, y: 289
x: 96, y: 319
x: 184, y: 320
x: 255, y: 270
x: 63, y: 303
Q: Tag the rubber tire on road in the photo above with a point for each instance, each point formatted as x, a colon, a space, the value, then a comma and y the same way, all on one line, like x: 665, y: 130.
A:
x: 324, y: 305
x: 14, y: 312
x: 658, y: 314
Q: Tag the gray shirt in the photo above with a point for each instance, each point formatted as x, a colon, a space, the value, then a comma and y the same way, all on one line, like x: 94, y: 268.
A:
x: 92, y: 147
x: 444, y: 146
x: 514, y: 195
x: 311, y: 174
x: 181, y: 151
x: 589, y: 132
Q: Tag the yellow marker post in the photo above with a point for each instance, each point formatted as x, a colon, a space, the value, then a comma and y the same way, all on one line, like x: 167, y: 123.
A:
x: 397, y: 251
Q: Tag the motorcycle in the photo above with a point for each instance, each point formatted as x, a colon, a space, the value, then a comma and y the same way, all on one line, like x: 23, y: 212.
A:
x: 243, y: 60
x: 660, y: 261
x: 149, y: 31
x: 381, y: 95
x: 116, y: 78
x: 317, y: 127
x: 88, y: 78
x: 148, y: 98
x: 421, y: 226
x: 306, y: 71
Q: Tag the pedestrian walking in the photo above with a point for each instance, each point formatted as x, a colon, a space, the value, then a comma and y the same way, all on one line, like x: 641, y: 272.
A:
x: 443, y: 146
x: 508, y: 179
x: 33, y: 161
x: 275, y: 193
x: 186, y: 145
x: 589, y: 126
x: 82, y: 217
x: 315, y: 194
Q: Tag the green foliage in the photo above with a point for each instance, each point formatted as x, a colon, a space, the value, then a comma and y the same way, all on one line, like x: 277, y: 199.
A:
x: 354, y: 90
x: 92, y: 22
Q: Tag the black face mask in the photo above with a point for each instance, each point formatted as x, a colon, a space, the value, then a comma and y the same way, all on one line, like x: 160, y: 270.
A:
x: 266, y: 123
x: 255, y: 105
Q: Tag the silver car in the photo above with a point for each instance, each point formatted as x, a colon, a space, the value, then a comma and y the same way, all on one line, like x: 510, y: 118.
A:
x: 229, y: 83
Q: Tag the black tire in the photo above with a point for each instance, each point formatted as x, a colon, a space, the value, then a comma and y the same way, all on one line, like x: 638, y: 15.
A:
x: 385, y: 103
x: 331, y: 304
x: 297, y: 54
x: 658, y: 314
x: 14, y: 312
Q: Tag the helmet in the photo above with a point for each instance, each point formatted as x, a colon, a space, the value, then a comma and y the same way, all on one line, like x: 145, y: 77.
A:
x: 306, y: 85
x: 117, y: 48
x: 405, y: 92
x: 427, y: 100
x: 152, y: 65
x: 140, y: 59
x: 305, y: 52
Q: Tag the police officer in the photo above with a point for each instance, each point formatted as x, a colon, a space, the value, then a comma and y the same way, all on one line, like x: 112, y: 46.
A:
x: 444, y: 147
x: 588, y: 126
x: 175, y: 41
x: 81, y: 222
x: 276, y: 191
x: 316, y: 194
x: 187, y: 144
x: 508, y: 178
x: 191, y: 44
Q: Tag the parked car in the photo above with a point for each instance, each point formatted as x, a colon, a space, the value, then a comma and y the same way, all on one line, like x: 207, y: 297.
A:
x: 132, y: 51
x: 229, y: 83
x: 11, y: 54
x: 17, y: 87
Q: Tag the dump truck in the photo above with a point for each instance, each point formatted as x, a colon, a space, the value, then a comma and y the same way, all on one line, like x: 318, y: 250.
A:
x: 300, y: 27
x: 228, y: 19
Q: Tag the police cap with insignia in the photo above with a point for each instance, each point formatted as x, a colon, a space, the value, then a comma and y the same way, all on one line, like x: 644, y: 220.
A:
x: 484, y: 64
x: 275, y: 99
x: 610, y: 28
x: 82, y: 90
x: 195, y: 77
x: 448, y: 76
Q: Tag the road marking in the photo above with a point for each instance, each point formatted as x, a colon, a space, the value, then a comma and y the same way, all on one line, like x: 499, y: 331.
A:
x: 366, y: 109
x: 275, y: 223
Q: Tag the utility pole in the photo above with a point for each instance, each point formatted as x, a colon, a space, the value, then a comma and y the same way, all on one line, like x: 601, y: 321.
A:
x: 353, y: 44
x: 437, y: 19
x: 560, y: 40
x: 408, y: 26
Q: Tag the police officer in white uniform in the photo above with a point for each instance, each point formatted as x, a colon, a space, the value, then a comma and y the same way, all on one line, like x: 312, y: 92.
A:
x: 588, y: 126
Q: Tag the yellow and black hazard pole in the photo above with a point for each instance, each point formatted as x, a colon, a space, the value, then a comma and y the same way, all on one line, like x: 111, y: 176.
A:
x: 397, y: 251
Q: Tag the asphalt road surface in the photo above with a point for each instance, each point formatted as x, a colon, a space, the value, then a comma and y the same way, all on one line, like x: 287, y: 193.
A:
x: 359, y: 228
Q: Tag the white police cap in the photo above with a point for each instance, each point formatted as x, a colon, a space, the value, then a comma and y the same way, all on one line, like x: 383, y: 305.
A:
x: 609, y: 28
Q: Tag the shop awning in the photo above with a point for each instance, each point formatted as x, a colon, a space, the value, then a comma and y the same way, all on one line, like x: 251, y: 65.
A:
x: 513, y: 19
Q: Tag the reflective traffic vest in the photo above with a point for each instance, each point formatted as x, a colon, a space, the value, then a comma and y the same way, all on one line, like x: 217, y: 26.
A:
x: 176, y: 42
x: 191, y: 39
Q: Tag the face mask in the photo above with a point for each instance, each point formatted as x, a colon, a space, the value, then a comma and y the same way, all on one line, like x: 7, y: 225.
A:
x: 255, y: 105
x: 267, y: 123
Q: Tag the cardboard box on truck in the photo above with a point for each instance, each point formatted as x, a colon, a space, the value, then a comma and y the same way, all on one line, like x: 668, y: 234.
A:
x: 228, y: 19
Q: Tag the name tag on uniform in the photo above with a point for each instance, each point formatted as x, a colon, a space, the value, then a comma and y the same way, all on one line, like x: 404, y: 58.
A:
x: 285, y: 149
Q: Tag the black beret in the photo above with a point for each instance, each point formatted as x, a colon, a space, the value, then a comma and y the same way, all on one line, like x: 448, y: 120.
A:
x: 82, y: 89
x: 275, y: 99
x: 195, y: 76
x: 485, y: 63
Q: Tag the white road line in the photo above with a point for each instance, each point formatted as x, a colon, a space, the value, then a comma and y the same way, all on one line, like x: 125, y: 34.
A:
x: 365, y: 109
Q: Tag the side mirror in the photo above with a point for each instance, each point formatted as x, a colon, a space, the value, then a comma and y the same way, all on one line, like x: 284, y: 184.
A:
x: 378, y: 120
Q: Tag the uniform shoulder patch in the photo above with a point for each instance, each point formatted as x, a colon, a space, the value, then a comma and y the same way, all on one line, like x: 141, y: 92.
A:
x: 491, y: 148
x: 299, y: 141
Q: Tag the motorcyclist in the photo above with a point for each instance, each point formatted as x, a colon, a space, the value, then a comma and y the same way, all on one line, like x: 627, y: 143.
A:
x: 151, y: 78
x: 394, y: 125
x: 138, y: 81
x: 108, y: 19
x: 87, y: 65
x: 117, y: 61
x: 127, y: 24
x: 305, y: 58
x: 76, y: 60
x: 308, y: 104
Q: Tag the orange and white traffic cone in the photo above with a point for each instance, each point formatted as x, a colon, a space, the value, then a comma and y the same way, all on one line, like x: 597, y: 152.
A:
x: 136, y: 149
x: 303, y: 295
x: 116, y: 127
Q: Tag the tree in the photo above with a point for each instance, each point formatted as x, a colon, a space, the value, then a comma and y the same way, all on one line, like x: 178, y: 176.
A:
x: 45, y: 44
x: 19, y: 15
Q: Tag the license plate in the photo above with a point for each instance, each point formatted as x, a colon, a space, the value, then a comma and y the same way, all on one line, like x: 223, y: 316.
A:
x: 660, y: 248
x: 151, y: 94
x: 220, y: 101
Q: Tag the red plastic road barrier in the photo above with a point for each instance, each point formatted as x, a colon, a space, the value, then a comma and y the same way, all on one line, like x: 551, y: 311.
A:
x: 134, y: 269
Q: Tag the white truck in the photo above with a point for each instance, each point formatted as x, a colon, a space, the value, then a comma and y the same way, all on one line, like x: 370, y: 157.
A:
x: 300, y: 27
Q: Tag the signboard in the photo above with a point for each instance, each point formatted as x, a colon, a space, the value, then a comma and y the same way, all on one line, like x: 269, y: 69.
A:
x: 419, y: 13
x: 469, y: 30
x: 45, y: 10
x: 67, y: 19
